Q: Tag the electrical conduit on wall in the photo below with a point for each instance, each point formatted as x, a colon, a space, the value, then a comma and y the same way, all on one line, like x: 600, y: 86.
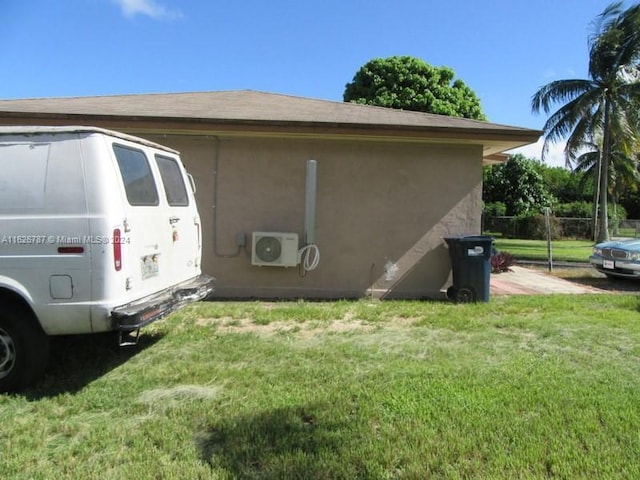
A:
x: 309, y: 255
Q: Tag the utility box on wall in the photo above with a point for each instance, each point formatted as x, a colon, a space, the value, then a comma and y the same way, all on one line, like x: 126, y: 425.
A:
x: 274, y: 249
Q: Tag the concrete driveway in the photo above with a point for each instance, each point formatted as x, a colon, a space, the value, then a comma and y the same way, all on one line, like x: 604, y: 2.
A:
x: 528, y: 281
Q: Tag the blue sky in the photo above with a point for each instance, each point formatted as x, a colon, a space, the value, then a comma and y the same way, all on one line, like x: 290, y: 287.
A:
x: 503, y: 49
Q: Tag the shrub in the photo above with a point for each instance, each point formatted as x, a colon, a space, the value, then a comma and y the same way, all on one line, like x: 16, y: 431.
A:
x: 502, y: 262
x: 534, y: 227
x: 574, y: 210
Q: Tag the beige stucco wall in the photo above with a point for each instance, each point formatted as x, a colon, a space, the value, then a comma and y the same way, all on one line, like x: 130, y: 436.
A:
x: 379, y: 204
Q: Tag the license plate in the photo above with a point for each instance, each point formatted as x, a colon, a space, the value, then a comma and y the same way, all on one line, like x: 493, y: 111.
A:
x: 608, y: 264
x: 149, y: 266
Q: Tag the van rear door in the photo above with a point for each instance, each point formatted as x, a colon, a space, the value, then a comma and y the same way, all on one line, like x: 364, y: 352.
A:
x: 185, y: 249
x: 160, y: 239
x: 145, y: 238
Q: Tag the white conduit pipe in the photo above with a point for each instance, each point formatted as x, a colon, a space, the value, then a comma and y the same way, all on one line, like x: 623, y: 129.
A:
x: 309, y: 255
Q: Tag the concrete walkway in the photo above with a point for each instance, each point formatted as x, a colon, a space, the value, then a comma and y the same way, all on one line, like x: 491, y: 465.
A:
x: 527, y: 281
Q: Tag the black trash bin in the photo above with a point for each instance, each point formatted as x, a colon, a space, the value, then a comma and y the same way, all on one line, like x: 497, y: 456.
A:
x: 471, y: 265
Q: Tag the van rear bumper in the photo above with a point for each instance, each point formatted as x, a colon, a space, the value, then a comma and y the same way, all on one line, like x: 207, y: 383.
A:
x: 139, y: 313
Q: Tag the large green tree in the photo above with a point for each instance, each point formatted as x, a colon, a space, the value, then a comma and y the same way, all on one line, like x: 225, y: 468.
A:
x: 410, y: 83
x: 603, y: 106
x: 517, y: 184
x: 564, y: 185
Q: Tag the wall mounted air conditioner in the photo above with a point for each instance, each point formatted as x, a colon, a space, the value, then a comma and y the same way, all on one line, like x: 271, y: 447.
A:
x: 274, y: 249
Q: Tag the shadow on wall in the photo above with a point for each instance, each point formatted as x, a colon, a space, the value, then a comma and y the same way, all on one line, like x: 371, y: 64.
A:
x: 414, y: 275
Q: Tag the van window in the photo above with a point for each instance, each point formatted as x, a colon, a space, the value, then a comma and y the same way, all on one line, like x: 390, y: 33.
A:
x: 174, y: 187
x: 24, y: 172
x: 137, y: 176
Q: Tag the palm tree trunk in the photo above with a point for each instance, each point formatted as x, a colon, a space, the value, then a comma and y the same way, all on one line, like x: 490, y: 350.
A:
x: 596, y: 199
x: 603, y: 184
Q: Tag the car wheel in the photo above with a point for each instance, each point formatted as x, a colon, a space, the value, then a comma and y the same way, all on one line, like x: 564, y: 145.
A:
x: 24, y: 348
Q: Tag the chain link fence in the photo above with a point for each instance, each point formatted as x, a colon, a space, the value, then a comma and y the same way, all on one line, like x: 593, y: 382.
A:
x: 561, y: 228
x: 626, y: 228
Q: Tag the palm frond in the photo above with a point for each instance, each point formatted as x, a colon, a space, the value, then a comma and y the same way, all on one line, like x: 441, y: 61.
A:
x: 629, y: 24
x: 603, y: 40
x: 615, y: 42
x: 562, y: 123
x: 603, y: 22
x: 558, y: 92
x: 579, y: 144
x: 587, y: 162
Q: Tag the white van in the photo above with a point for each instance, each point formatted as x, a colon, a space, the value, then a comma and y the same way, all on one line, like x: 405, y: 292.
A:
x: 99, y: 231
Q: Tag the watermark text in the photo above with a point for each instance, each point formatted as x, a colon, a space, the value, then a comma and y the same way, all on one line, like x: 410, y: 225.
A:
x: 61, y: 240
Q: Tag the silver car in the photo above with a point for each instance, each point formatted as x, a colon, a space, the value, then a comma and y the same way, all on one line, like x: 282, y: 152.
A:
x: 617, y: 258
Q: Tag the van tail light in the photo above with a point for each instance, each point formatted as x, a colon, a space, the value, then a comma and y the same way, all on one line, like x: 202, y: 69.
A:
x: 117, y: 250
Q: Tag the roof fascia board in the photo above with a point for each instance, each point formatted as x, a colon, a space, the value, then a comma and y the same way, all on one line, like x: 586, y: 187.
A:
x: 252, y: 127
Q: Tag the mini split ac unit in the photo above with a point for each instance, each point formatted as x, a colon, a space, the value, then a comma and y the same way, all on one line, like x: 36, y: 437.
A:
x: 274, y: 249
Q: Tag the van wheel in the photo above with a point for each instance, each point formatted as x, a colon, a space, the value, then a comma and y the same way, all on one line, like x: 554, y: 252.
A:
x: 24, y: 348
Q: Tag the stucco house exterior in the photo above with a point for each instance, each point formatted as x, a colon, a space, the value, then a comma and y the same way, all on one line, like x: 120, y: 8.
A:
x: 389, y: 185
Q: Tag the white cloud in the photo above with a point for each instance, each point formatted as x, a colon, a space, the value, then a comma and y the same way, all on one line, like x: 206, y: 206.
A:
x: 150, y: 8
x: 554, y: 157
x: 552, y: 73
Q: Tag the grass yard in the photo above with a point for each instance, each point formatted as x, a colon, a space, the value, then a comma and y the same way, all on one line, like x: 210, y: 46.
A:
x: 562, y: 250
x: 628, y: 232
x: 519, y: 387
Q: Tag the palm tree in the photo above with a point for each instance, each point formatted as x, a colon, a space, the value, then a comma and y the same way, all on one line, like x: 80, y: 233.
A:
x: 603, y: 105
x: 624, y: 175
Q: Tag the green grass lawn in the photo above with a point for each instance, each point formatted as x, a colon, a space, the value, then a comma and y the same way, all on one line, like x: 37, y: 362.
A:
x: 561, y: 250
x: 519, y: 387
x: 628, y: 232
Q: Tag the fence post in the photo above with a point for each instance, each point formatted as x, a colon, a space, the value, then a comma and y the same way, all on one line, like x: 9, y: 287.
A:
x: 547, y: 221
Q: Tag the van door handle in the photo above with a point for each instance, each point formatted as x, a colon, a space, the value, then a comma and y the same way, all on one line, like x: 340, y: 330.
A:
x: 173, y: 220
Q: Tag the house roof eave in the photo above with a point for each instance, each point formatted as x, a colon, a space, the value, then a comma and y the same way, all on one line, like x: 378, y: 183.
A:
x: 264, y: 114
x: 493, y: 141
